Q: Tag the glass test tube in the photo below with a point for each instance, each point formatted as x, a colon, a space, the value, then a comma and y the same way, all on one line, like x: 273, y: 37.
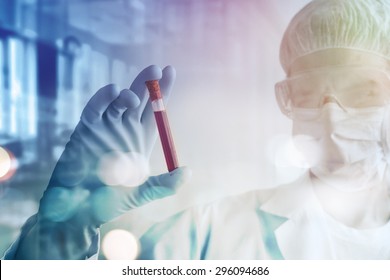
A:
x: 164, y: 130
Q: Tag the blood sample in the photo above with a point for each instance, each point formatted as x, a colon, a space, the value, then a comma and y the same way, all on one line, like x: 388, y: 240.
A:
x: 164, y: 130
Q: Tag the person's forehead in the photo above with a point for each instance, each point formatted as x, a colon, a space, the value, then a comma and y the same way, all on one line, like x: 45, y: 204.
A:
x: 336, y: 58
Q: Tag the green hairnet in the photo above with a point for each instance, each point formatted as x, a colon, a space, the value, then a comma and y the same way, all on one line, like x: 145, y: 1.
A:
x: 352, y: 24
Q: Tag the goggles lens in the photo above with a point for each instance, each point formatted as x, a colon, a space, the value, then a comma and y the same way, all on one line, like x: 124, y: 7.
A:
x: 351, y: 87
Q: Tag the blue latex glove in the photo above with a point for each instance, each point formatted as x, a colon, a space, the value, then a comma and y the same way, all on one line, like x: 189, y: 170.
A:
x: 112, y: 121
x: 76, y: 201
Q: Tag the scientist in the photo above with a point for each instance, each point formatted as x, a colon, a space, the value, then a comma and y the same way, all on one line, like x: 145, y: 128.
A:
x: 336, y: 57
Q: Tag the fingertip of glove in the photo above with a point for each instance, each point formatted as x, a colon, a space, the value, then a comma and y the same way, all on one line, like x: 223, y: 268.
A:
x: 169, y: 70
x: 129, y: 99
x: 152, y: 72
x: 99, y: 102
x: 111, y: 89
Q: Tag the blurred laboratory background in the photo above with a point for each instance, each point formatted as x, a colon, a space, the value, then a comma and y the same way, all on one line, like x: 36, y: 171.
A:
x: 55, y: 54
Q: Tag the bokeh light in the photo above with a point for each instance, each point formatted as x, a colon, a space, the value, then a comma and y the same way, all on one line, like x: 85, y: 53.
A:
x: 123, y: 169
x: 311, y: 151
x: 5, y: 162
x: 119, y: 244
x: 8, y: 164
x: 282, y: 152
x: 288, y: 161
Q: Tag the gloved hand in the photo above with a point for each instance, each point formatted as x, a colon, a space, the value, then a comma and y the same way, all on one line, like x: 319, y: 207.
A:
x: 113, y: 122
x: 76, y: 201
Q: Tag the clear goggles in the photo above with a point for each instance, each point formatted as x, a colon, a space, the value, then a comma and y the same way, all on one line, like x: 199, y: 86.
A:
x: 350, y: 87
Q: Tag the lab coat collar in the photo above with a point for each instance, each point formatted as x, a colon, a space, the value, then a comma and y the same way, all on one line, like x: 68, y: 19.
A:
x: 301, y: 233
x: 289, y: 199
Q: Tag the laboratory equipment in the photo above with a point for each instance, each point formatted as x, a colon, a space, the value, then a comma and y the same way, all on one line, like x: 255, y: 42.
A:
x: 162, y: 124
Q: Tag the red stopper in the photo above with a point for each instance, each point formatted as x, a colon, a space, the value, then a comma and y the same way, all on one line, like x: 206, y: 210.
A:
x: 154, y: 89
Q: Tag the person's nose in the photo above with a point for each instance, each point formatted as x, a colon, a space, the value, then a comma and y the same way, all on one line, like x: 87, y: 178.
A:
x: 331, y: 98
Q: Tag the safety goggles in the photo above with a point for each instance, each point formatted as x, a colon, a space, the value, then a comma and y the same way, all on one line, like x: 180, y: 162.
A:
x: 351, y: 87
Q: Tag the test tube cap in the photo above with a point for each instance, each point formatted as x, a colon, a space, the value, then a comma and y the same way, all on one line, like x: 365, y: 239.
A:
x: 154, y: 89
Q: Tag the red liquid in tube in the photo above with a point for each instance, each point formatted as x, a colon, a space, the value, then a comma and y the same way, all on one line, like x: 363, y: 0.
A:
x: 163, y: 125
x: 166, y: 140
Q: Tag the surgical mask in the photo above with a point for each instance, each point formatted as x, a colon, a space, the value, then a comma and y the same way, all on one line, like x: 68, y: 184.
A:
x: 345, y: 147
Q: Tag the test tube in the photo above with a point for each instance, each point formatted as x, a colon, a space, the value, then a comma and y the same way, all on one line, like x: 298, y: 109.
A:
x: 164, y: 130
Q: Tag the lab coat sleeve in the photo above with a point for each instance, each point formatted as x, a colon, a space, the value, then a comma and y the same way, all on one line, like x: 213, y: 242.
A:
x: 10, y: 253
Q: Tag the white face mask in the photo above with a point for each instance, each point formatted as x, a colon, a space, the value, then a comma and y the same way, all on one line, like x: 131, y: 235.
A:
x: 344, y: 147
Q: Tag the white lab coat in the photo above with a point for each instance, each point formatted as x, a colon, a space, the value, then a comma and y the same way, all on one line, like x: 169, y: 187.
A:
x: 282, y: 223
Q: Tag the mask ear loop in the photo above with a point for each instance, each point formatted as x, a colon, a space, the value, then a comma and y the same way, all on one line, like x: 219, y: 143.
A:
x: 386, y: 146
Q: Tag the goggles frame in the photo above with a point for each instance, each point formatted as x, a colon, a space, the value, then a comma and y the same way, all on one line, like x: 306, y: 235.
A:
x: 283, y: 93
